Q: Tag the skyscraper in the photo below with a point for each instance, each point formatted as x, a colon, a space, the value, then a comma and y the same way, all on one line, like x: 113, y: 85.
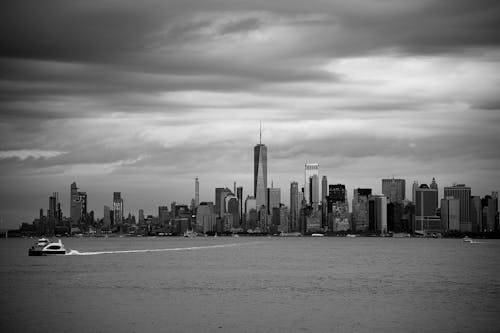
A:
x: 394, y: 189
x: 476, y: 213
x: 426, y: 204
x: 413, y: 191
x: 450, y: 213
x: 273, y: 198
x: 310, y: 169
x: 360, y: 206
x: 220, y: 194
x: 196, y: 192
x: 163, y: 215
x: 260, y: 173
x: 314, y: 191
x: 106, y: 219
x: 337, y: 193
x: 434, y: 186
x: 75, y: 206
x: 378, y: 213
x: 117, y: 208
x: 239, y: 195
x: 324, y: 189
x: 78, y: 204
x: 232, y: 215
x: 490, y: 211
x: 205, y: 217
x: 295, y: 203
x: 461, y: 192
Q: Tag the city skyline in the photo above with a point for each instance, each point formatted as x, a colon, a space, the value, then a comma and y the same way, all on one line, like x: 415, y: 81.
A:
x: 153, y: 207
x: 143, y: 98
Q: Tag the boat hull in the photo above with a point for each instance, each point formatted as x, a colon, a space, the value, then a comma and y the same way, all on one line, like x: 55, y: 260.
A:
x: 36, y: 252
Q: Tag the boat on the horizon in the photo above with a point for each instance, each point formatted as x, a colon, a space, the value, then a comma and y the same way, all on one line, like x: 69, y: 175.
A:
x: 290, y: 234
x: 190, y: 233
x: 44, y: 247
x: 317, y: 235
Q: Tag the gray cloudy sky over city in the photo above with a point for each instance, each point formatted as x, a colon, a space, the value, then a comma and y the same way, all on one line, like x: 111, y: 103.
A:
x: 143, y: 96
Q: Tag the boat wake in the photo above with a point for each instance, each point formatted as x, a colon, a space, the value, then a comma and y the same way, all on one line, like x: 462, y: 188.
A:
x: 191, y: 248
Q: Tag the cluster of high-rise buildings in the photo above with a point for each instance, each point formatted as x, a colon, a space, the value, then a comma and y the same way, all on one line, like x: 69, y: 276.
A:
x: 314, y: 206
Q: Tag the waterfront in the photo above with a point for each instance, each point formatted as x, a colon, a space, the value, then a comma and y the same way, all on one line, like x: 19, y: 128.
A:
x: 253, y: 284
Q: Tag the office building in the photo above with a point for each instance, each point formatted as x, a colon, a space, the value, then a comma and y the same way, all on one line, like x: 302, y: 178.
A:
x: 413, y: 191
x: 360, y: 209
x: 117, y: 208
x: 250, y: 212
x: 106, y: 218
x: 196, y: 192
x: 284, y: 219
x: 78, y: 205
x: 163, y: 215
x: 314, y: 191
x: 324, y: 189
x: 490, y: 212
x: 394, y: 189
x: 310, y: 169
x: 205, y: 217
x: 232, y: 208
x: 426, y: 219
x: 295, y: 204
x: 463, y: 193
x: 239, y: 195
x: 434, y: 186
x: 377, y: 213
x: 220, y: 194
x: 273, y: 198
x: 337, y: 193
x: 450, y: 213
x: 476, y: 213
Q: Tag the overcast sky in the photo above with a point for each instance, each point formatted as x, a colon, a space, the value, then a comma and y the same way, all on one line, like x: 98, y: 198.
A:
x: 143, y: 96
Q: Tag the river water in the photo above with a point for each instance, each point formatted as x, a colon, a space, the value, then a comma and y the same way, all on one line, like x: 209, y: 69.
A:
x: 252, y: 284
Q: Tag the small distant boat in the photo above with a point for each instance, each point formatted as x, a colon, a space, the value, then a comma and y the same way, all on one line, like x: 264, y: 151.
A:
x: 351, y: 235
x: 43, y: 247
x: 467, y: 239
x: 190, y: 233
x: 42, y: 242
x: 317, y: 235
x: 236, y: 235
x: 290, y: 234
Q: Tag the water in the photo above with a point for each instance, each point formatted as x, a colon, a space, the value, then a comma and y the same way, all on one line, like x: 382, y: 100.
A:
x: 252, y: 284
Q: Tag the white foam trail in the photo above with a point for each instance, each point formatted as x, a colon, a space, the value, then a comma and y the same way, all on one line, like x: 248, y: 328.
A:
x: 77, y: 253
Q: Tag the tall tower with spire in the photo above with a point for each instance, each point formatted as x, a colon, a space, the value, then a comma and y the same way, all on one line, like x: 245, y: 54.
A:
x: 260, y: 172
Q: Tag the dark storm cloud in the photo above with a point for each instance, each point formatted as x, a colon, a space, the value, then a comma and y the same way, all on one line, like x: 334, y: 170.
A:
x: 77, y: 31
x: 119, y: 32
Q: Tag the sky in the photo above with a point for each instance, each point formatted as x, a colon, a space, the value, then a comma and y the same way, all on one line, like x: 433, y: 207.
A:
x: 141, y: 97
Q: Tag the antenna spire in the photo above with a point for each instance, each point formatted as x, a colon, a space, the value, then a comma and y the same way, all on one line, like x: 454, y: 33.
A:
x: 260, y: 132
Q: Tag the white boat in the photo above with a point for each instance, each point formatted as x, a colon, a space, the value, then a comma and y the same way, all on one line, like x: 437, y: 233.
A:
x: 317, y: 235
x: 42, y: 242
x: 190, y: 233
x: 351, y: 235
x: 44, y: 247
x: 290, y: 234
x: 467, y: 239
